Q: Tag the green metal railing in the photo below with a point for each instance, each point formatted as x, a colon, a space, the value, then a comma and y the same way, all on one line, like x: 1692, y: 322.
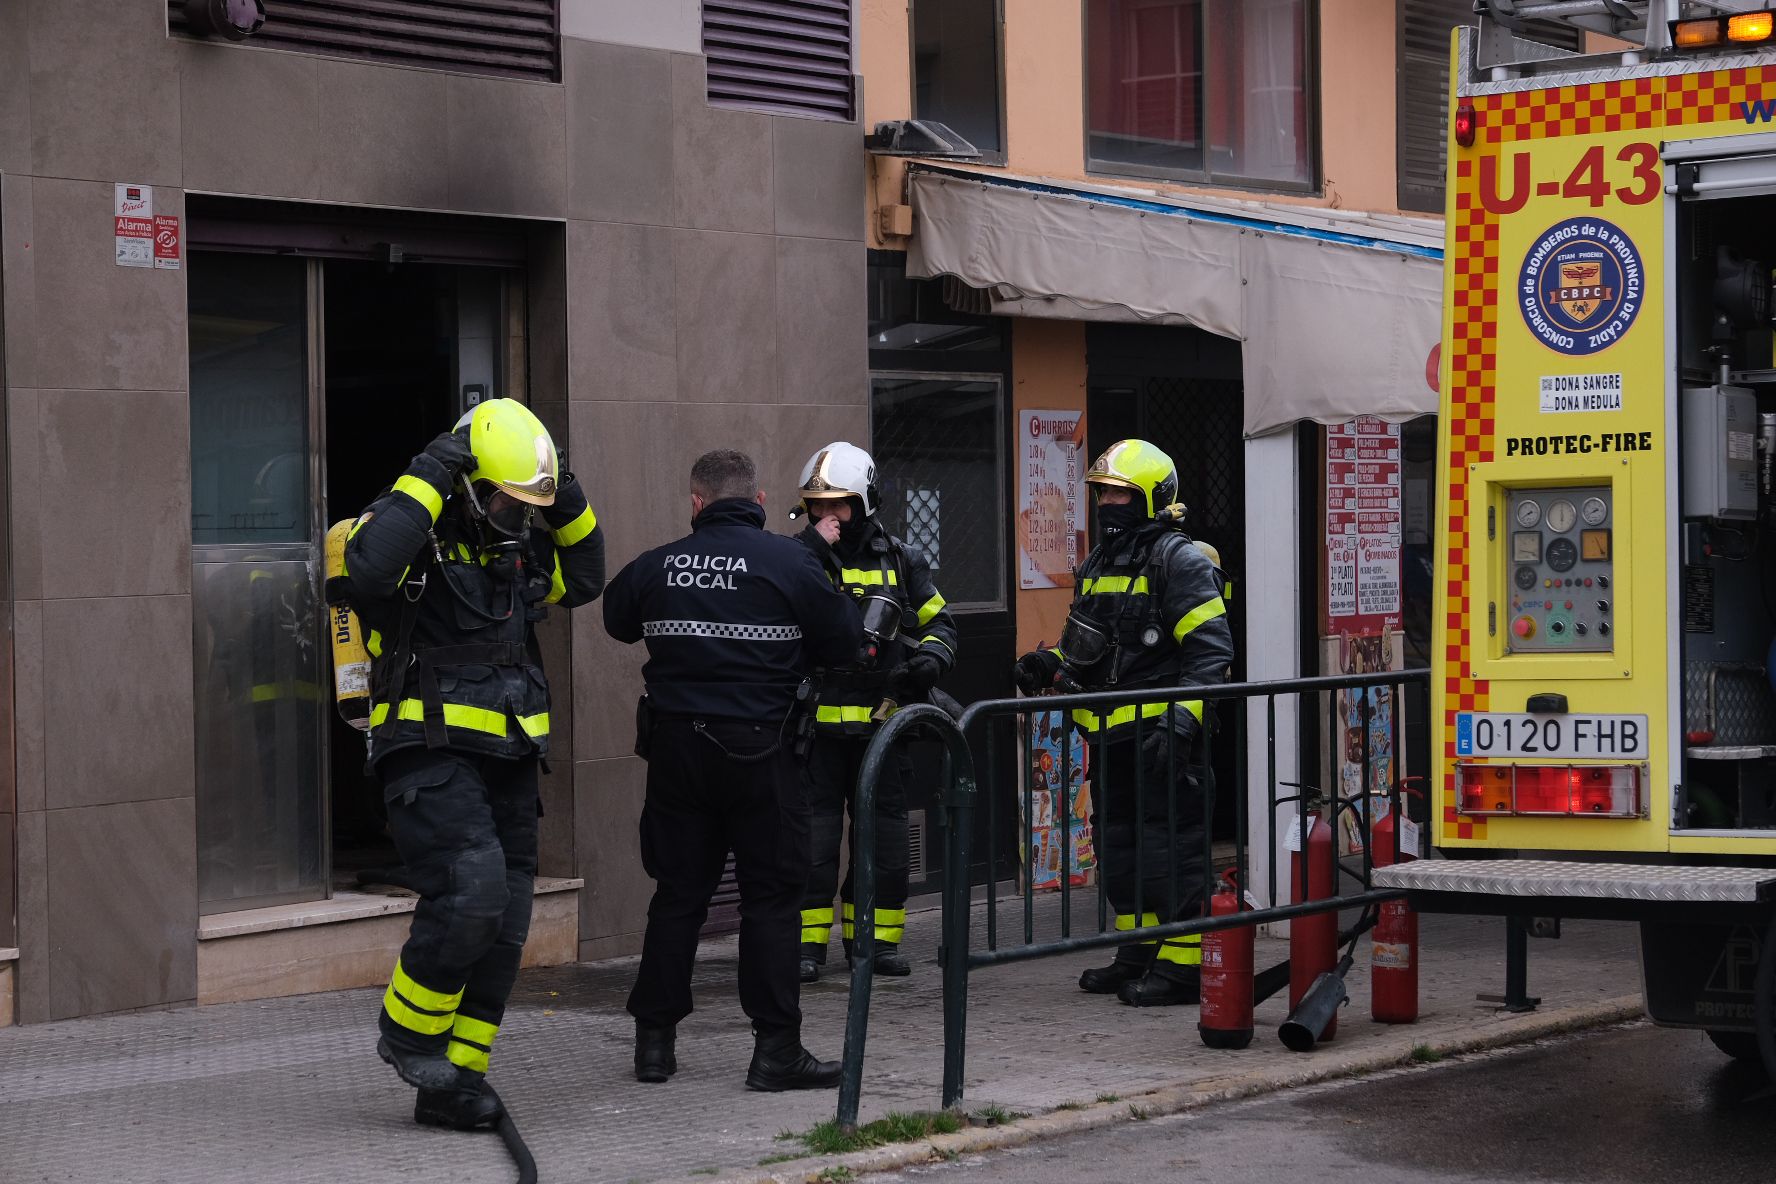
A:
x: 960, y: 797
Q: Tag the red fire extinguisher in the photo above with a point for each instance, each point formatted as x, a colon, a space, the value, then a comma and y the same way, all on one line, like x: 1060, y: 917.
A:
x: 1313, y: 940
x: 1225, y: 1020
x: 1393, y: 949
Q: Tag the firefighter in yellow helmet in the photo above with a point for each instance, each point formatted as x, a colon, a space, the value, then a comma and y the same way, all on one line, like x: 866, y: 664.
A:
x: 449, y: 570
x: 1147, y: 612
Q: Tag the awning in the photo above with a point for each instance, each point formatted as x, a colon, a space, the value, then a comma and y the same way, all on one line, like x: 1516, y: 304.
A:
x: 1339, y: 313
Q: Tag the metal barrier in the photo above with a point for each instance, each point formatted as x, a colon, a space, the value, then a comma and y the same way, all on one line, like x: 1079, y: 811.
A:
x: 960, y: 798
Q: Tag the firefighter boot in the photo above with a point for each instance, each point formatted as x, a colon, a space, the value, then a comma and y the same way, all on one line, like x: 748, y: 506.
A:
x: 813, y: 958
x: 472, y: 1104
x: 656, y: 1056
x: 889, y: 962
x: 1107, y: 980
x: 779, y: 1062
x: 420, y: 1069
x: 1163, y: 988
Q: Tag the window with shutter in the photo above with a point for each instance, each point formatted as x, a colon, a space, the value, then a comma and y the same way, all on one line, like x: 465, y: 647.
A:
x: 515, y: 38
x: 1422, y: 115
x: 782, y: 57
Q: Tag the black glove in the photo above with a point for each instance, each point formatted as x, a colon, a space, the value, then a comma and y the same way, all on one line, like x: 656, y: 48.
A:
x: 451, y: 450
x: 917, y: 675
x: 1036, y: 671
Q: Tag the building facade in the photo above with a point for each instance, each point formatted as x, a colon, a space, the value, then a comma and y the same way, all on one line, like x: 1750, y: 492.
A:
x: 1214, y: 224
x: 243, y: 283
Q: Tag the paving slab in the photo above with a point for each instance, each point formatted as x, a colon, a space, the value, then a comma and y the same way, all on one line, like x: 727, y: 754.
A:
x: 290, y: 1090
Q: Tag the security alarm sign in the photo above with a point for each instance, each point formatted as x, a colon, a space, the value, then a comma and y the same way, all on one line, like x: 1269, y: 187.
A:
x: 166, y: 242
x: 132, y: 225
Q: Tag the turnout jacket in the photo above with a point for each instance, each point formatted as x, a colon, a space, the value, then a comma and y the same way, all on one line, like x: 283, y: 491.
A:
x: 734, y: 617
x: 851, y: 690
x: 1151, y: 584
x: 450, y: 627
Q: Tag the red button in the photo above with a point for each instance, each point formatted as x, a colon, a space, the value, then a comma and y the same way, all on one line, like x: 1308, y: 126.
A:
x: 1523, y: 627
x: 1569, y: 604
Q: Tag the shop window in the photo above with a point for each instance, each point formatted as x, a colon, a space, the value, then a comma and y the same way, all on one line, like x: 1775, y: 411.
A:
x: 936, y: 442
x: 957, y: 78
x: 1201, y: 90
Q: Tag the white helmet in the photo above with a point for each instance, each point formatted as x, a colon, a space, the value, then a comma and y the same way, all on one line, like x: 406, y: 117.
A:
x: 840, y: 470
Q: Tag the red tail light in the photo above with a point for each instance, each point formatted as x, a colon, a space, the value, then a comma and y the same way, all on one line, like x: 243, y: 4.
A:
x: 1465, y: 122
x: 1594, y: 791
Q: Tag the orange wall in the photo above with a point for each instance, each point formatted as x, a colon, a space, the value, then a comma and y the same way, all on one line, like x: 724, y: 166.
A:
x: 1045, y: 104
x: 1048, y: 374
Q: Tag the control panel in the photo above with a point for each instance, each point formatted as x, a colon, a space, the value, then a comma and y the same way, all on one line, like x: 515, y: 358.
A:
x: 1560, y: 572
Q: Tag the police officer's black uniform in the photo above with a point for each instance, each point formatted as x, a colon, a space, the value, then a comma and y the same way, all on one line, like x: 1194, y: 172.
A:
x: 734, y: 618
x: 459, y: 723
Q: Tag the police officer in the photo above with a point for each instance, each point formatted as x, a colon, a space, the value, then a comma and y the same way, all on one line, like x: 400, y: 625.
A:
x: 1148, y: 613
x: 901, y: 662
x: 450, y: 570
x: 734, y: 618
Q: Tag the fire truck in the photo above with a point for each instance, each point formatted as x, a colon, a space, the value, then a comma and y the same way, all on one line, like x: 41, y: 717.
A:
x: 1603, y: 700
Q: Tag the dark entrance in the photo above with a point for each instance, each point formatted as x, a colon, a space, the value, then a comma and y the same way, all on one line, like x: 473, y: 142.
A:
x: 1181, y: 389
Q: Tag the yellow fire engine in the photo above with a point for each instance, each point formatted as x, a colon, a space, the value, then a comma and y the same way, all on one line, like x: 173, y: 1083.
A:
x: 1603, y: 710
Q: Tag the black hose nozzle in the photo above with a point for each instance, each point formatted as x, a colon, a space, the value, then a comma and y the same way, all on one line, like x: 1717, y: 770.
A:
x: 1302, y: 1030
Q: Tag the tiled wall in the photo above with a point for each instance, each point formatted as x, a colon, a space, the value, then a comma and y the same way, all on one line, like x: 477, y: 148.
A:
x: 716, y: 299
x: 699, y: 282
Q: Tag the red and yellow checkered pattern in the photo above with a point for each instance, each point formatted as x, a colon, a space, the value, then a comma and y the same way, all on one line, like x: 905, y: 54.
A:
x: 1473, y: 364
x: 1634, y: 104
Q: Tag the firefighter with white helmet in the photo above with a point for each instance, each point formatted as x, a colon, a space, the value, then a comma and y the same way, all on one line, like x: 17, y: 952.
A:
x: 909, y: 643
x: 1148, y: 612
x: 449, y: 570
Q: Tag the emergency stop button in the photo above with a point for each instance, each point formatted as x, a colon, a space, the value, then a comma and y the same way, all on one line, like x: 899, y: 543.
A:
x: 1524, y: 627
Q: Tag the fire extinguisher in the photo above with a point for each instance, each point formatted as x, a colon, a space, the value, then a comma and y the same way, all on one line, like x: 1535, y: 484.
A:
x: 1225, y: 1020
x: 1393, y: 950
x: 1313, y: 940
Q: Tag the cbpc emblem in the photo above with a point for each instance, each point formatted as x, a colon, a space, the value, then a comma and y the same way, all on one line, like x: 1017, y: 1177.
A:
x: 1581, y: 286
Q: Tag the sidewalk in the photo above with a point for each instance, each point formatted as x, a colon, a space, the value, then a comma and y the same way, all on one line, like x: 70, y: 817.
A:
x: 290, y: 1090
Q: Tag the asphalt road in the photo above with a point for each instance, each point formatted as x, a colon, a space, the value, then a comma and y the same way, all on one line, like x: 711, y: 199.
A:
x: 1635, y: 1104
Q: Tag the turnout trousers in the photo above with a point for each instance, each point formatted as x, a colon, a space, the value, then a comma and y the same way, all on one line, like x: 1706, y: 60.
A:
x: 1151, y: 852
x: 702, y: 803
x: 466, y: 829
x: 831, y: 778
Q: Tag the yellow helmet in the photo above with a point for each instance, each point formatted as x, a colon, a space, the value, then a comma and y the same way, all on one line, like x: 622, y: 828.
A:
x: 1138, y: 465
x: 513, y: 451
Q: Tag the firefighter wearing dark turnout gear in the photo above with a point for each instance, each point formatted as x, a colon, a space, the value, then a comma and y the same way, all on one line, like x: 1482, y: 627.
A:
x: 863, y: 559
x: 460, y: 719
x: 734, y: 619
x: 1155, y: 602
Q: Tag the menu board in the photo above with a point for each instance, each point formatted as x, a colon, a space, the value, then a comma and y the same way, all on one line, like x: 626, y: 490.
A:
x: 1363, y: 520
x: 1051, y: 497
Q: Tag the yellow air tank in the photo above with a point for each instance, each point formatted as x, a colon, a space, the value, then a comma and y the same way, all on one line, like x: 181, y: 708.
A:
x: 351, y: 661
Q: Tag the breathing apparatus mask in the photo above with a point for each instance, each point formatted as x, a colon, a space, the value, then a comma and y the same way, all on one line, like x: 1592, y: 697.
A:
x: 881, y: 624
x: 1084, y: 645
x: 501, y: 523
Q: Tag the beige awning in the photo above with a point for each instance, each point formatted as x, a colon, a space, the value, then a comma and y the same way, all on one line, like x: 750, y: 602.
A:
x: 1338, y: 313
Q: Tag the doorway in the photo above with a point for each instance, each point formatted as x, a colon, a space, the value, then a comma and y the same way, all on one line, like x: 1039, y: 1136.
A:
x: 313, y: 383
x: 1181, y: 389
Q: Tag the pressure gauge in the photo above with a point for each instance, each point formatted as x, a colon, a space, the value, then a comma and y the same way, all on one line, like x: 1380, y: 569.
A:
x: 1561, y: 516
x: 1594, y: 511
x: 1528, y: 513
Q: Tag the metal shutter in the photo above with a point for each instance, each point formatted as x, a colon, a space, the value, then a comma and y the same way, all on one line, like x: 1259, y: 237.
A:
x: 784, y: 57
x: 1423, y: 111
x: 515, y: 38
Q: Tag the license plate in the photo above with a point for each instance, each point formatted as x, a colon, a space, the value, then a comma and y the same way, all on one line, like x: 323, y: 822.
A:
x: 1569, y: 737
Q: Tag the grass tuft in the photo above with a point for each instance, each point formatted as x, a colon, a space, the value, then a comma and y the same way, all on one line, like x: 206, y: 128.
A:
x: 995, y: 1116
x: 1424, y: 1054
x: 828, y: 1138
x: 1109, y: 1097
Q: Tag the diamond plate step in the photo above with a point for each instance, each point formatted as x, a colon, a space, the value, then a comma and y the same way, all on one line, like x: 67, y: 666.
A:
x: 1599, y: 881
